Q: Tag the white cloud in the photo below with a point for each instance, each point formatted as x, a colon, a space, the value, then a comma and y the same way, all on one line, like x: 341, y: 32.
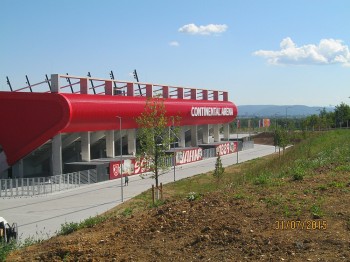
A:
x: 203, y: 29
x: 174, y: 43
x: 328, y: 51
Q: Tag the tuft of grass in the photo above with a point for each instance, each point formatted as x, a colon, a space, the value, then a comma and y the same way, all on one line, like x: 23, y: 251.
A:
x: 316, y: 211
x: 345, y: 168
x: 192, y: 196
x: 127, y: 212
x: 6, y: 248
x: 157, y: 203
x: 322, y: 187
x: 238, y: 196
x: 262, y: 179
x: 286, y: 211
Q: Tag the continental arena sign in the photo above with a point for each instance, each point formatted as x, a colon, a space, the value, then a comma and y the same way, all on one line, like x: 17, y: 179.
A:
x: 211, y: 111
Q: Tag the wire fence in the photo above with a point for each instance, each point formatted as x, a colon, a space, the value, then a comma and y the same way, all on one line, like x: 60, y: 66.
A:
x: 20, y: 187
x: 44, y: 185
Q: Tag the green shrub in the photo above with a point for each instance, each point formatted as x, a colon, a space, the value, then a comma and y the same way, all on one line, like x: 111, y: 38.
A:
x: 298, y: 173
x: 92, y: 221
x: 68, y: 228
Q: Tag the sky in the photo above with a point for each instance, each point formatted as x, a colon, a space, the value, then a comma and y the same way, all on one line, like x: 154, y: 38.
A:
x: 268, y: 52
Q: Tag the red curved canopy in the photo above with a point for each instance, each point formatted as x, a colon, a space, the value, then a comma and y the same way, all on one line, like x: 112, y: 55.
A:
x: 28, y: 120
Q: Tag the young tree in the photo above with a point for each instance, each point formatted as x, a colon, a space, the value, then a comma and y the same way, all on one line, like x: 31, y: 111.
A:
x: 154, y: 137
x: 219, y: 169
x: 281, y: 139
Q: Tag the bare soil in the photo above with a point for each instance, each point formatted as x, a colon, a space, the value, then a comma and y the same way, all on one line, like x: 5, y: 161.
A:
x: 265, y: 138
x: 280, y: 220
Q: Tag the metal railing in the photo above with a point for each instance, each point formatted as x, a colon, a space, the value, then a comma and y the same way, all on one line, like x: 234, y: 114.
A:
x: 248, y: 145
x: 99, y: 86
x: 44, y: 185
x: 211, y: 152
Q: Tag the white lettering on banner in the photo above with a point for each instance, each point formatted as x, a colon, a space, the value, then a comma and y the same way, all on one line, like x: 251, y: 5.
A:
x: 140, y: 166
x: 226, y: 148
x: 188, y: 156
x: 211, y: 111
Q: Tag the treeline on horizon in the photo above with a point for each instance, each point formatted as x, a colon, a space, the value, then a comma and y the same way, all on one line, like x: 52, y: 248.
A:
x: 339, y: 118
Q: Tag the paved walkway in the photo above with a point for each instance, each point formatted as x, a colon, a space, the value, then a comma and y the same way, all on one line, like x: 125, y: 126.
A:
x: 41, y: 216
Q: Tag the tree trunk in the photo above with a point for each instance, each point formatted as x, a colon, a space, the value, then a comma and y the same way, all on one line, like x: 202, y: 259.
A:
x: 156, y: 175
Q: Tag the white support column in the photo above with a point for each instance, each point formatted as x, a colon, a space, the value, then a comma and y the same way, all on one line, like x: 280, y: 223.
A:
x: 3, y: 162
x: 194, y: 136
x: 227, y: 132
x: 132, y: 141
x: 182, y: 142
x: 205, y: 129
x: 55, y: 83
x: 110, y: 150
x: 57, y: 155
x: 85, y: 146
x: 18, y: 170
x: 216, y: 133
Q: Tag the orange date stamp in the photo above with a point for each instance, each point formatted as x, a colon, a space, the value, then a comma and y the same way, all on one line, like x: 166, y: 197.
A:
x: 300, y: 225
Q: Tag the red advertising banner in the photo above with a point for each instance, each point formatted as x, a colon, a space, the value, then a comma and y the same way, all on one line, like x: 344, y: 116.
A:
x: 140, y: 166
x: 128, y: 168
x: 114, y: 170
x: 226, y: 148
x: 189, y: 156
x: 135, y: 166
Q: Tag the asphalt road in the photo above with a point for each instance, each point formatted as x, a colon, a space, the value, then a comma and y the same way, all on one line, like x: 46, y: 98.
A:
x: 40, y: 217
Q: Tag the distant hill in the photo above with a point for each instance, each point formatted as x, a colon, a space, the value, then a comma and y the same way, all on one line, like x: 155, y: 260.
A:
x: 279, y: 111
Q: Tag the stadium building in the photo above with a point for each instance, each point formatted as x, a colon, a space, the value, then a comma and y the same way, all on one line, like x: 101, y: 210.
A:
x: 71, y: 123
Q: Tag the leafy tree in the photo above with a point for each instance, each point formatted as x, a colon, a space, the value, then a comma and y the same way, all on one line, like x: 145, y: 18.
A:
x: 342, y: 114
x: 154, y: 136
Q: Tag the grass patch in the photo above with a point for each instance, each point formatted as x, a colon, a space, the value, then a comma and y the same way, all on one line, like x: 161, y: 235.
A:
x: 262, y: 179
x: 127, y: 212
x: 68, y: 228
x: 336, y: 184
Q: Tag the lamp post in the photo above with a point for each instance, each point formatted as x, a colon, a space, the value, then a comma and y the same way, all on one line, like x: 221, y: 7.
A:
x: 174, y: 156
x: 347, y: 121
x: 275, y: 131
x: 287, y: 114
x: 121, y: 157
x: 237, y: 122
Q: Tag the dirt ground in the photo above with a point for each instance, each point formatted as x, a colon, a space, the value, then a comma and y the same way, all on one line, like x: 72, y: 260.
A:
x: 221, y: 226
x: 250, y: 223
x: 264, y: 138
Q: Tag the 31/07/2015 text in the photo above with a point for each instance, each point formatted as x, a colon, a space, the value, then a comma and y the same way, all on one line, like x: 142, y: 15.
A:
x: 300, y: 225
